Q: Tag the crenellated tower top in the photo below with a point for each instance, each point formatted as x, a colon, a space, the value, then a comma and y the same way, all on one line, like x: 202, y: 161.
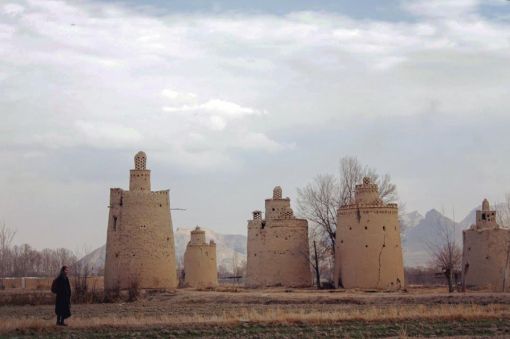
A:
x: 197, y: 236
x: 367, y: 192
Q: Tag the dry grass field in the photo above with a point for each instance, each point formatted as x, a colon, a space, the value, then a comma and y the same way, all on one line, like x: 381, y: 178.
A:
x: 281, y: 313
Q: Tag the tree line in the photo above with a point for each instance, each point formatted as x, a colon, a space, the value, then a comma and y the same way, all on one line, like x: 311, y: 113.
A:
x: 25, y: 261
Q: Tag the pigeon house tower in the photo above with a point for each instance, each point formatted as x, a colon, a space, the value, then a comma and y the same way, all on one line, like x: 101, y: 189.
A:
x: 278, y: 253
x: 486, y: 253
x: 368, y: 248
x: 140, y: 242
x: 200, y: 261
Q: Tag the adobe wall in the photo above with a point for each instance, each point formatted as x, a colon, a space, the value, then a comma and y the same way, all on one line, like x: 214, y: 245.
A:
x: 9, y: 283
x: 486, y: 253
x: 44, y: 283
x: 32, y: 283
x: 368, y: 245
x: 278, y: 253
x: 140, y: 241
x: 200, y: 269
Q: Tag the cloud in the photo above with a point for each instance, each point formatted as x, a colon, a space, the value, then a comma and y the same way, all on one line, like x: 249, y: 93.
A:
x: 13, y: 9
x: 106, y: 76
x: 99, y: 134
x: 229, y: 103
x: 442, y: 8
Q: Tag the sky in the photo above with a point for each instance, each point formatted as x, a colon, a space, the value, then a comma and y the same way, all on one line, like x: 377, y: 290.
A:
x: 231, y: 98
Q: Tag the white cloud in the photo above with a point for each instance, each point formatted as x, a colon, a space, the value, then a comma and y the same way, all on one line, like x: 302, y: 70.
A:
x: 106, y: 76
x: 214, y: 106
x: 13, y: 9
x: 179, y: 98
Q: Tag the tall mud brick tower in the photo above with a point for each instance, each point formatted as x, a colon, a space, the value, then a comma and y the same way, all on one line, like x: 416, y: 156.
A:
x: 486, y: 253
x: 200, y: 261
x: 140, y: 242
x: 278, y: 246
x: 368, y: 249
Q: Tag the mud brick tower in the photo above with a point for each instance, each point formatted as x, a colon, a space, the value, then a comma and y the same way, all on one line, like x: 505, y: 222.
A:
x: 140, y: 242
x: 200, y: 261
x: 486, y: 253
x: 278, y: 253
x: 368, y: 248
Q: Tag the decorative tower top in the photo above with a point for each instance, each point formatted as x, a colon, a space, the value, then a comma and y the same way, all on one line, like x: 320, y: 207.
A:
x: 485, y: 205
x: 277, y: 192
x: 257, y: 215
x: 140, y: 160
x: 140, y: 177
x: 485, y: 218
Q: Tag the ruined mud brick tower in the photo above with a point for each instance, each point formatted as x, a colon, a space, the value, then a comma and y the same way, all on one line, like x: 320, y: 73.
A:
x: 278, y: 253
x: 368, y: 248
x: 140, y: 242
x: 486, y: 252
x: 200, y: 261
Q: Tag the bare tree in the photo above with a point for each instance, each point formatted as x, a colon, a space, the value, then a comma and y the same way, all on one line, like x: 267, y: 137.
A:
x: 503, y: 212
x: 318, y: 256
x: 6, y: 236
x: 352, y: 173
x: 318, y: 202
x: 446, y: 254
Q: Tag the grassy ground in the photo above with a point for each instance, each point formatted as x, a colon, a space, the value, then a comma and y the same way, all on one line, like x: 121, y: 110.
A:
x: 273, y: 313
x: 352, y: 329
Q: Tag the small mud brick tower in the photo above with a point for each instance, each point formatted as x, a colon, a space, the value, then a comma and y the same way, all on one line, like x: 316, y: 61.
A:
x: 278, y: 246
x: 368, y: 248
x: 200, y: 261
x: 140, y: 242
x: 486, y: 253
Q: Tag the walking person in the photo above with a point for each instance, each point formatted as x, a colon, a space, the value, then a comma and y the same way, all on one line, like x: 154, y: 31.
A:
x: 62, y: 289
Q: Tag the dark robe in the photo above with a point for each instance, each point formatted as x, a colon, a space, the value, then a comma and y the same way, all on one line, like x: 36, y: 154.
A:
x: 63, y: 300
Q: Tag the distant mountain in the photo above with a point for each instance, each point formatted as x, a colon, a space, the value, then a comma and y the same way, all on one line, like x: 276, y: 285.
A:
x: 417, y: 240
x: 228, y: 247
x: 94, y: 260
x: 409, y: 220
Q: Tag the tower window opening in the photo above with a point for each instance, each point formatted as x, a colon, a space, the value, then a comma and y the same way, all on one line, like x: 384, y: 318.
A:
x: 114, y: 224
